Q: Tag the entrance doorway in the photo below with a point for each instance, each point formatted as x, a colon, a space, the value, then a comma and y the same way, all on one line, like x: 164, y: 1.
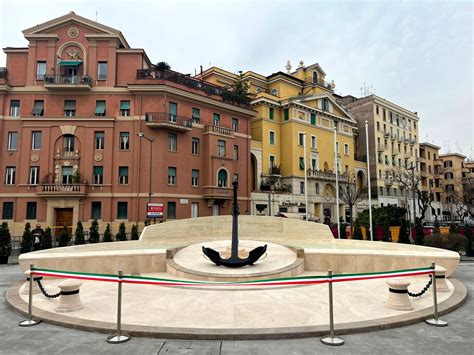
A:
x: 71, y: 73
x: 63, y: 217
x: 215, y: 209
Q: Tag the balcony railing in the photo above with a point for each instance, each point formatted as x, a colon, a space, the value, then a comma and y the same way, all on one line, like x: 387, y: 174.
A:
x: 63, y: 189
x: 69, y: 81
x: 274, y: 170
x: 325, y: 175
x: 219, y: 129
x: 386, y: 134
x: 168, y: 120
x: 214, y: 192
x: 380, y: 147
x: 319, y: 82
x: 388, y: 182
x: 186, y: 80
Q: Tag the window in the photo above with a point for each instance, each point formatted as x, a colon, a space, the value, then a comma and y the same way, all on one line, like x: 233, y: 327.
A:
x: 235, y: 124
x: 66, y: 175
x: 195, y: 178
x: 125, y: 108
x: 40, y: 70
x: 301, y: 187
x: 122, y: 210
x: 221, y: 148
x: 274, y: 92
x: 31, y: 210
x: 315, y: 77
x: 68, y: 143
x: 7, y: 212
x: 172, y: 142
x: 378, y: 126
x: 384, y: 114
x: 325, y: 104
x: 337, y: 147
x: 194, y: 209
x: 317, y: 189
x: 448, y: 164
x: 171, y: 175
x: 98, y: 175
x: 171, y: 212
x: 36, y: 140
x: 271, y: 113
x: 10, y: 175
x: 12, y: 143
x: 313, y: 164
x: 38, y: 109
x: 390, y: 115
x: 313, y: 119
x: 195, y: 146
x: 102, y: 71
x: 15, y: 108
x: 314, y: 142
x: 272, y: 161
x: 33, y: 178
x: 346, y: 149
x: 301, y: 138
x: 96, y: 210
x: 100, y: 106
x: 124, y: 140
x: 236, y: 152
x: 123, y: 175
x: 222, y: 178
x: 196, y: 115
x: 377, y: 110
x: 70, y: 108
x: 216, y: 119
x: 272, y: 137
x: 99, y: 140
x: 286, y: 113
x: 301, y: 163
x: 173, y: 112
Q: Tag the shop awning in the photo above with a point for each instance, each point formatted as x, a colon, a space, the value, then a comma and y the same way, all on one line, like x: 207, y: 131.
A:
x: 38, y: 108
x: 125, y: 105
x: 100, y: 108
x: 70, y: 63
x: 70, y: 105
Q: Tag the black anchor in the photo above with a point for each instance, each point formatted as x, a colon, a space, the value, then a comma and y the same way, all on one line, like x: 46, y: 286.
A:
x: 234, y: 260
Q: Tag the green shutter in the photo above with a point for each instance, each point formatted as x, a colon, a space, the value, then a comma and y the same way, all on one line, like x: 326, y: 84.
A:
x: 313, y: 119
x: 125, y: 105
x: 301, y: 163
x: 287, y: 114
x: 173, y: 108
x: 98, y: 170
x: 100, y: 107
x: 171, y: 171
x: 271, y: 109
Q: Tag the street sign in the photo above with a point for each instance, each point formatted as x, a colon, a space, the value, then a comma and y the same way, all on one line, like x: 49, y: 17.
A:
x: 154, y: 210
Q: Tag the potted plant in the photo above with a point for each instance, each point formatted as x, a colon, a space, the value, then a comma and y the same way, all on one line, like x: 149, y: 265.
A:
x: 79, y: 234
x: 121, y: 235
x: 107, y: 234
x: 64, y: 238
x: 5, y: 243
x: 47, y: 241
x: 94, y: 236
x: 27, y: 240
x: 134, y: 232
x: 162, y: 66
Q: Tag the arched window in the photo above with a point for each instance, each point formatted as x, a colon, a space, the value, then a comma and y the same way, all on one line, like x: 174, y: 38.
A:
x: 222, y: 178
x: 315, y: 77
x: 274, y: 92
x: 317, y: 188
x: 68, y: 143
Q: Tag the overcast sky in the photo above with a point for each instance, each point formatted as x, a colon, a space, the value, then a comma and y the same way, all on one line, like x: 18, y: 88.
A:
x: 416, y: 54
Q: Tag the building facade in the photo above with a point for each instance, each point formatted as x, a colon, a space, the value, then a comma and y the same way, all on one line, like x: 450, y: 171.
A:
x: 431, y: 179
x: 72, y: 106
x: 393, y: 146
x: 297, y: 110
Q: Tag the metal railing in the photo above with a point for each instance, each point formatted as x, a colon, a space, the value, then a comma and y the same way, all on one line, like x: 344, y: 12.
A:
x: 168, y: 118
x: 219, y: 129
x: 274, y: 170
x: 319, y: 82
x: 67, y: 80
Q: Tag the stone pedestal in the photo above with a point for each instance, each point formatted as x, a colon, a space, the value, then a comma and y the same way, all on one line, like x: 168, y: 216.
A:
x: 26, y: 289
x: 398, y: 295
x: 69, y: 300
x: 440, y: 277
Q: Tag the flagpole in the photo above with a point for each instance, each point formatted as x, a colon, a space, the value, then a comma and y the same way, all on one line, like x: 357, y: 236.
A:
x: 305, y: 179
x: 337, y: 184
x: 368, y: 179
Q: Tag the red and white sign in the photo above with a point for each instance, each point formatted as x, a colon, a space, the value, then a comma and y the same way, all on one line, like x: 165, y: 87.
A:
x: 154, y: 210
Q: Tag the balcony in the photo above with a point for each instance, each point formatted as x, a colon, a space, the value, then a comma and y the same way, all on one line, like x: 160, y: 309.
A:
x: 60, y: 190
x: 395, y: 151
x: 424, y: 174
x: 393, y: 137
x: 325, y: 175
x: 388, y: 181
x: 380, y: 147
x: 319, y: 82
x: 412, y: 141
x: 67, y: 82
x: 400, y: 139
x: 168, y: 121
x: 386, y: 134
x: 219, y: 130
x: 274, y: 170
x: 217, y: 193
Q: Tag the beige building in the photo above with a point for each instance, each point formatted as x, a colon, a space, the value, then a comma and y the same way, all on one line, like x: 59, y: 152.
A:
x: 431, y: 179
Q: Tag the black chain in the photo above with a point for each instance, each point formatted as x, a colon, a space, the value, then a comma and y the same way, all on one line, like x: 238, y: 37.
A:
x: 419, y: 294
x: 46, y: 294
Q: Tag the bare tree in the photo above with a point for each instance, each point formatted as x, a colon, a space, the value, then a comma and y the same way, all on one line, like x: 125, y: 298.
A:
x: 350, y: 194
x: 460, y: 197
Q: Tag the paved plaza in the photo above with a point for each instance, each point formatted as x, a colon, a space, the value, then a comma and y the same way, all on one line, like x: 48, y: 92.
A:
x: 457, y: 338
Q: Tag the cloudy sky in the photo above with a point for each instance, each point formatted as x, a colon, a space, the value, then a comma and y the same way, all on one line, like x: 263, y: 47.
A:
x: 418, y: 54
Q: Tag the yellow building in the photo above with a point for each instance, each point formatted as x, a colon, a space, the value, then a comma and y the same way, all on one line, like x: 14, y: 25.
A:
x: 296, y: 109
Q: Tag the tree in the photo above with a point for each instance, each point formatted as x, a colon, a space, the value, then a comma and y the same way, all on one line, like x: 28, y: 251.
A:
x: 162, y: 66
x: 453, y: 228
x: 94, y: 236
x: 411, y: 182
x: 121, y: 235
x: 79, y: 234
x: 420, y: 235
x: 64, y: 238
x: 238, y: 92
x: 5, y: 241
x: 468, y: 235
x: 357, y: 231
x: 403, y: 236
x: 350, y: 195
x: 134, y: 232
x: 436, y: 226
x: 387, y: 235
x: 47, y: 241
x: 107, y: 234
x: 26, y: 240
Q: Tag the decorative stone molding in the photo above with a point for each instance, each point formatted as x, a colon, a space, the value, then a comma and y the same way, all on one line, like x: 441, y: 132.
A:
x: 68, y: 129
x: 73, y: 32
x: 35, y: 157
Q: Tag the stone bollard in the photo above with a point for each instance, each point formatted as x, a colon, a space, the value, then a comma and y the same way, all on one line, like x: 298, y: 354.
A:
x: 440, y: 277
x: 398, y: 295
x: 26, y: 288
x: 69, y: 300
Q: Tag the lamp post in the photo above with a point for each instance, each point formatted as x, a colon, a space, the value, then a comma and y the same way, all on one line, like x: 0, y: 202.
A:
x: 151, y: 140
x: 336, y: 165
x: 369, y: 188
x: 305, y: 180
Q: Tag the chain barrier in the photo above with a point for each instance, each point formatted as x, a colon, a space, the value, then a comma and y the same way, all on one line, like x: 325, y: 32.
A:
x: 421, y: 293
x: 46, y: 294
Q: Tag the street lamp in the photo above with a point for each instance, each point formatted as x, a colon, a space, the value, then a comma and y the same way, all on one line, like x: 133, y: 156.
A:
x: 151, y: 140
